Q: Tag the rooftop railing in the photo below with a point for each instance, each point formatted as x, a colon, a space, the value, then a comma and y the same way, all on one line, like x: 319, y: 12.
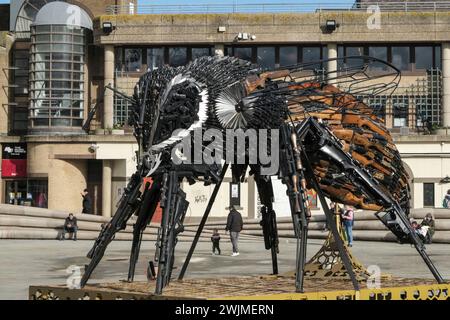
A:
x: 276, y: 7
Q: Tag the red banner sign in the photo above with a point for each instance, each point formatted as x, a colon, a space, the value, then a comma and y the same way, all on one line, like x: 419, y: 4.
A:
x: 14, y: 160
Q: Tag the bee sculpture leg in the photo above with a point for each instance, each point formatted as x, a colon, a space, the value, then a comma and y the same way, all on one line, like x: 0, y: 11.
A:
x: 174, y: 205
x: 268, y: 218
x: 292, y: 175
x: 296, y: 170
x: 330, y: 216
x: 128, y: 204
x: 202, y: 222
x: 150, y: 200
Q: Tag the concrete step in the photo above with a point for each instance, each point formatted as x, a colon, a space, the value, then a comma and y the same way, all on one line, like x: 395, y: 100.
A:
x: 35, y: 223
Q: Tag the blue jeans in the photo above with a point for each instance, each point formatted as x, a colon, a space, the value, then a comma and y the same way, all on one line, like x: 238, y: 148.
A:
x: 234, y: 240
x: 69, y: 230
x: 348, y: 226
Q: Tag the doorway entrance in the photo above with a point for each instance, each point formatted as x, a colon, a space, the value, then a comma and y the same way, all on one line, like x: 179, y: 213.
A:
x: 94, y: 184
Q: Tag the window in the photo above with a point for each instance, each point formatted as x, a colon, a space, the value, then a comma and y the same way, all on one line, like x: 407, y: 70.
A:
x: 155, y: 58
x: 340, y: 54
x: 244, y: 53
x: 21, y: 72
x: 266, y: 57
x: 27, y: 192
x: 400, y: 106
x: 19, y: 119
x: 437, y: 57
x: 122, y: 109
x: 379, y: 53
x: 427, y: 110
x: 378, y: 105
x: 311, y: 54
x: 200, y: 52
x: 424, y: 57
x: 288, y: 56
x: 133, y: 60
x: 401, y: 57
x: 428, y: 194
x: 177, y: 56
x: 118, y: 54
x: 352, y: 52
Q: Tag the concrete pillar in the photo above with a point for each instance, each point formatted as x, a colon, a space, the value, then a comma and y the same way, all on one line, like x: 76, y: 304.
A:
x: 446, y: 84
x: 106, y: 188
x: 332, y: 64
x: 219, y: 50
x: 108, y: 104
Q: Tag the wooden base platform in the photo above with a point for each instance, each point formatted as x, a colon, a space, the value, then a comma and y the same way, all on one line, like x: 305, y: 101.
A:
x: 257, y: 287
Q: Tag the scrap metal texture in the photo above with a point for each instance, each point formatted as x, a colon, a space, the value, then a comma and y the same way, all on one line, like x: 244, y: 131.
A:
x: 229, y: 93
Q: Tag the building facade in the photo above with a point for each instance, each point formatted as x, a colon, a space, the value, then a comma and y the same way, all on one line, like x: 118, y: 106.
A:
x: 58, y: 56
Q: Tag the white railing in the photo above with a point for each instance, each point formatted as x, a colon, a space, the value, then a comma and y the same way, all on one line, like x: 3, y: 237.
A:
x: 275, y: 7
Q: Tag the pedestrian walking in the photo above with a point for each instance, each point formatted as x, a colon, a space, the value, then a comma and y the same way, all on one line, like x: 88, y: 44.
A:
x: 234, y: 225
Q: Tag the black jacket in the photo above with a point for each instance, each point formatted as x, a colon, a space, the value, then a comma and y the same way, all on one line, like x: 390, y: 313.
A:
x: 72, y: 222
x: 87, y: 204
x: 215, y: 237
x: 234, y: 221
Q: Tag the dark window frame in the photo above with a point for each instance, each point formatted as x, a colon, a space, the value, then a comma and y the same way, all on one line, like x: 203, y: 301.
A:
x: 412, y: 63
x: 426, y: 204
x: 229, y: 49
x: 120, y: 65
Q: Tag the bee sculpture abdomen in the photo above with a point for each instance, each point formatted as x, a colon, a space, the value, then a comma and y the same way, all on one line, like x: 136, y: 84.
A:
x: 365, y: 137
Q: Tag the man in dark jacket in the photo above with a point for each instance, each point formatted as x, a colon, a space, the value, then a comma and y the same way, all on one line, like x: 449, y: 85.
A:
x: 87, y: 205
x: 70, y: 226
x: 234, y: 225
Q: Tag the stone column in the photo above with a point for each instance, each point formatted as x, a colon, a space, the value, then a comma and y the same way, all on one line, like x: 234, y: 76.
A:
x: 332, y: 64
x: 106, y: 188
x: 219, y: 50
x: 108, y: 104
x: 446, y: 84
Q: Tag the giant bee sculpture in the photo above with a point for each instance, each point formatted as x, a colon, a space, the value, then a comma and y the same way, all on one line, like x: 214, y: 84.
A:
x: 330, y: 140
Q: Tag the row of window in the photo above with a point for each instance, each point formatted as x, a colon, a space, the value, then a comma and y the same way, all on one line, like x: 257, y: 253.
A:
x: 404, y: 57
x: 43, y: 29
x: 269, y: 57
x: 142, y: 59
x: 55, y: 38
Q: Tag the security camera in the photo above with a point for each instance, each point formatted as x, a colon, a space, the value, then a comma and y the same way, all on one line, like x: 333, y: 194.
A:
x: 253, y: 37
x: 92, y: 148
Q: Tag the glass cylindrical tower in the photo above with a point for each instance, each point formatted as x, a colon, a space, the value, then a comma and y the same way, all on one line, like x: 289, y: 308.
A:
x: 59, y: 36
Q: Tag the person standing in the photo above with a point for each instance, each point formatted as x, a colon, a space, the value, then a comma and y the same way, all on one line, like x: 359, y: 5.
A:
x: 87, y: 203
x: 215, y: 239
x: 347, y: 219
x: 70, y: 226
x: 446, y: 201
x: 234, y: 225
